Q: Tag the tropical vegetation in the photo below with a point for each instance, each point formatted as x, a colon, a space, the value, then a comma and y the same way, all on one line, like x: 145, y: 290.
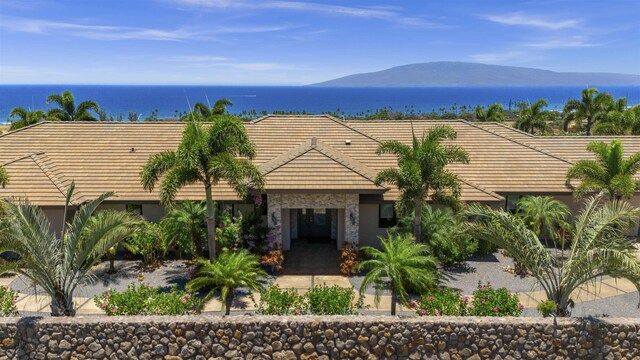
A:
x: 421, y: 174
x: 533, y: 119
x: 219, y: 152
x: 60, y: 262
x: 599, y: 246
x: 23, y: 117
x: 584, y: 113
x: 543, y: 215
x: 401, y: 264
x: 203, y: 111
x: 8, y: 299
x: 185, y: 228
x: 488, y: 301
x: 4, y: 177
x: 232, y: 270
x: 494, y: 113
x: 619, y: 122
x: 610, y: 171
x: 67, y: 109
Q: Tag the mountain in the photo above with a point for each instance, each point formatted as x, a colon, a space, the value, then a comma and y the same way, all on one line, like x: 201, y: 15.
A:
x: 448, y: 73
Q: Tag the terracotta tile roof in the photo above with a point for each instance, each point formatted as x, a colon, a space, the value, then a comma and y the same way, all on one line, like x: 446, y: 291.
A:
x: 44, y: 158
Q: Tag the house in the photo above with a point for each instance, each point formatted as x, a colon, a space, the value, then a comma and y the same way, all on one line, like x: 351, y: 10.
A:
x: 319, y: 170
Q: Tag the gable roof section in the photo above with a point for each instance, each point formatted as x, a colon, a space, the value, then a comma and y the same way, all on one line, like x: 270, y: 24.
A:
x: 39, y: 180
x: 315, y: 166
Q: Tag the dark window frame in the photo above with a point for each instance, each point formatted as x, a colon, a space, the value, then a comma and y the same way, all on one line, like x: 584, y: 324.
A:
x: 384, y: 223
x: 134, y: 208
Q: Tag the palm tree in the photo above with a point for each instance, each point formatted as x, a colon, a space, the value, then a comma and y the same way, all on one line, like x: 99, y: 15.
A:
x: 219, y: 108
x: 205, y: 156
x: 615, y: 122
x: 185, y: 227
x: 401, y: 263
x: 68, y: 110
x: 230, y: 271
x: 609, y: 172
x: 494, y: 113
x: 25, y: 117
x: 588, y: 109
x: 533, y: 119
x: 60, y: 264
x: 599, y: 247
x: 421, y: 172
x: 543, y: 215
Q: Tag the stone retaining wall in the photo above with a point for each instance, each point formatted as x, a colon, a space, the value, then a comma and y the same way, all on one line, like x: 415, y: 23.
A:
x: 309, y: 337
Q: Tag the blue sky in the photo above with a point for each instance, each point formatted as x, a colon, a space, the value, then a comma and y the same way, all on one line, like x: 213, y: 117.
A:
x: 264, y: 42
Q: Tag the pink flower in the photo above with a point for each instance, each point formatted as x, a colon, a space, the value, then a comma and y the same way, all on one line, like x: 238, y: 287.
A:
x: 423, y: 312
x: 148, y: 284
x: 107, y: 295
x: 437, y: 313
x: 509, y: 292
x: 431, y: 298
x: 413, y: 304
x: 483, y: 287
x: 187, y: 296
x: 483, y: 301
x: 105, y: 304
x: 113, y: 310
x: 520, y: 306
x: 495, y: 309
x: 195, y: 312
x: 297, y: 311
x: 184, y: 301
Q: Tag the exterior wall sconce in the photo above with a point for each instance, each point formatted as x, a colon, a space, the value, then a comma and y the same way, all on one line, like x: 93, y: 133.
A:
x: 352, y: 217
x: 274, y: 219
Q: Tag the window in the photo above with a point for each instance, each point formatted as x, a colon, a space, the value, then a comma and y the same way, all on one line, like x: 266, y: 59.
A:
x: 387, y: 215
x: 512, y: 203
x: 134, y: 208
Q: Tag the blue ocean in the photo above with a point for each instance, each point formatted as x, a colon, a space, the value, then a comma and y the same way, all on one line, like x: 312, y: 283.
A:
x: 166, y: 101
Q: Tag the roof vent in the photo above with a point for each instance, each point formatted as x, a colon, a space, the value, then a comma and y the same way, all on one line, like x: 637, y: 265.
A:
x: 347, y: 142
x: 133, y: 149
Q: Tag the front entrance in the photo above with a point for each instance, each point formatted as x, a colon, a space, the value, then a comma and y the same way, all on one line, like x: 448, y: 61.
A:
x: 315, y: 225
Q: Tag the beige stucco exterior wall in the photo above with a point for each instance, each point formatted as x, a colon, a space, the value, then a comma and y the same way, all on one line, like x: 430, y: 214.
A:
x: 369, y: 230
x: 55, y: 216
x: 153, y: 212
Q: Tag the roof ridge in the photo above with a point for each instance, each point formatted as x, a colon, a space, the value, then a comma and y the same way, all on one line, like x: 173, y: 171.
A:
x: 326, y: 150
x: 11, y: 132
x: 535, y: 148
x: 511, y: 128
x: 47, y: 166
x: 482, y: 189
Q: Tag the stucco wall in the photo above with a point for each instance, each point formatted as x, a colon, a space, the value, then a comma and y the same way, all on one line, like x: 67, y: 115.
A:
x: 369, y: 230
x: 256, y: 337
x: 55, y: 216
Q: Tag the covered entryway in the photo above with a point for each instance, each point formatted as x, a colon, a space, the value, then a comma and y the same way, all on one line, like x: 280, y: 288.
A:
x: 315, y: 225
x: 309, y: 257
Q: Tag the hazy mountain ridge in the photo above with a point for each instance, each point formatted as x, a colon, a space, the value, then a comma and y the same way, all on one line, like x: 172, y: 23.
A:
x: 472, y: 74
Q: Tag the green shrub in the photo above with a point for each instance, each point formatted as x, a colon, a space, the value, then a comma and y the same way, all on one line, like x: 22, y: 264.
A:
x: 8, y: 300
x: 228, y: 232
x: 275, y: 301
x: 334, y: 300
x: 485, y: 247
x: 147, y: 300
x: 253, y: 231
x: 441, y: 302
x: 488, y: 301
x: 547, y: 308
x: 148, y: 241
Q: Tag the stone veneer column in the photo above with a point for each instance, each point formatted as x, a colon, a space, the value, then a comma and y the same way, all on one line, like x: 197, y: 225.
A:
x: 274, y: 215
x: 352, y: 218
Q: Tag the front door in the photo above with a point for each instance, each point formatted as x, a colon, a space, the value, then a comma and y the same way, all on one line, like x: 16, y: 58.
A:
x: 314, y: 225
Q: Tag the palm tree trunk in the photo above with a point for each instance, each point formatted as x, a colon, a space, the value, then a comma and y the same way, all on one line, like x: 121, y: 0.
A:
x: 228, y: 302
x: 211, y: 223
x: 417, y: 222
x: 394, y: 299
x: 62, y: 305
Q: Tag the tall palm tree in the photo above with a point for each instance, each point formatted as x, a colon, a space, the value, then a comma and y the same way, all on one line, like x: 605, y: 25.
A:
x: 185, y: 227
x: 599, y: 247
x: 588, y: 109
x: 221, y: 152
x: 68, y: 111
x: 609, y: 172
x: 533, y: 118
x: 219, y: 108
x: 230, y: 271
x: 421, y: 173
x: 400, y: 264
x: 60, y: 264
x: 615, y: 122
x: 543, y: 215
x: 25, y: 117
x: 494, y: 113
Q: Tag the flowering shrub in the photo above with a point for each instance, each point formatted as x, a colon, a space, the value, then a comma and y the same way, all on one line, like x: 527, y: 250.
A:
x: 148, y: 241
x: 8, y: 300
x: 349, y: 259
x: 321, y: 300
x: 146, y: 300
x: 334, y: 300
x: 228, y: 232
x: 275, y: 301
x: 254, y: 232
x: 441, y: 301
x: 488, y: 301
x: 273, y: 258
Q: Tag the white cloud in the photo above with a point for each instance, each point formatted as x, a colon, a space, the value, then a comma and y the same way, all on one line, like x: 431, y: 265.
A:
x: 522, y: 19
x: 105, y: 32
x: 573, y: 42
x: 387, y: 13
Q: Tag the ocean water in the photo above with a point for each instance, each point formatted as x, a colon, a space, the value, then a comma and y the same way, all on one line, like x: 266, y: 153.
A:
x: 167, y: 100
